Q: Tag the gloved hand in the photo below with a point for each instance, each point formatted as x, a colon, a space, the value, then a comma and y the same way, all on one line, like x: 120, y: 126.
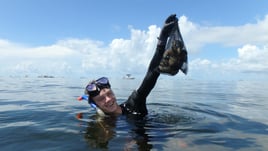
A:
x: 170, y: 22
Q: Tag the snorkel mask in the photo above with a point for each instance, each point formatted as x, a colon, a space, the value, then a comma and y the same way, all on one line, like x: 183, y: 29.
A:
x: 93, y: 89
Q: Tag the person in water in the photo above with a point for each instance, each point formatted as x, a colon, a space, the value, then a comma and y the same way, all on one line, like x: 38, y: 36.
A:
x: 101, y: 94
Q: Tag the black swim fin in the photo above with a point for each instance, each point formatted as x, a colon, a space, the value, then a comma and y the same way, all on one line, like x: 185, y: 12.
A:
x: 175, y: 57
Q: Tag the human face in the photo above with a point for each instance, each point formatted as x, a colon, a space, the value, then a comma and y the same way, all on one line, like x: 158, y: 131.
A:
x: 106, y: 101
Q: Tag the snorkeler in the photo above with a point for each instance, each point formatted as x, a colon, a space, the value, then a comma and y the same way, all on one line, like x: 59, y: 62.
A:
x: 101, y: 95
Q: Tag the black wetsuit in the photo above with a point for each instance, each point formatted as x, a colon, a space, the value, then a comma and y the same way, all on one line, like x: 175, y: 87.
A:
x: 136, y: 103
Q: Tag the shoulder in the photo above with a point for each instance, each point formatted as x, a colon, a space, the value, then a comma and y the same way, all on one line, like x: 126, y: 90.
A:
x: 134, y: 105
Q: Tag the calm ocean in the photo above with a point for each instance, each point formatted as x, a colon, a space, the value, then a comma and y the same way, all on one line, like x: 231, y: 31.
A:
x: 43, y: 114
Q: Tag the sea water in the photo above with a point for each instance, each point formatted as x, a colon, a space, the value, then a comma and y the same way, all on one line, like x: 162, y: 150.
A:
x: 43, y: 114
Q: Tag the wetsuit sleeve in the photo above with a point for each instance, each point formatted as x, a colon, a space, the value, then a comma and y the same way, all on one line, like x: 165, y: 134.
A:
x: 152, y: 74
x: 136, y: 103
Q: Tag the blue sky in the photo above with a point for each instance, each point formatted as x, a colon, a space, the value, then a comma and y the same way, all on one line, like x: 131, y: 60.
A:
x: 225, y: 39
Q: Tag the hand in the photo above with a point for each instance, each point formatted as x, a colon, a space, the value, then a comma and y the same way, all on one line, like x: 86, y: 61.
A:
x: 170, y: 22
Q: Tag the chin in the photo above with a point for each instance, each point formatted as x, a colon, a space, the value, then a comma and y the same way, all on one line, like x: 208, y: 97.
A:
x: 112, y: 109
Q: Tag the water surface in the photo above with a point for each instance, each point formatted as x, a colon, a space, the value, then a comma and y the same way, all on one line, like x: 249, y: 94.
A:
x: 43, y: 114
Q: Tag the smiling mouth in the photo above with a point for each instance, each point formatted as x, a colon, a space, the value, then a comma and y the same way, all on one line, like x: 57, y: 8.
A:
x: 110, y: 104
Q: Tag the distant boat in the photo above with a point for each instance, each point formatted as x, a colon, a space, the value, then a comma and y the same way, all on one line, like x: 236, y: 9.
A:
x: 45, y: 76
x: 128, y: 76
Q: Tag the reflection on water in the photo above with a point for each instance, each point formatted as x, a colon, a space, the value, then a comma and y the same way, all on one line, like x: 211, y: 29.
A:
x: 43, y: 114
x: 99, y: 132
x: 174, y: 127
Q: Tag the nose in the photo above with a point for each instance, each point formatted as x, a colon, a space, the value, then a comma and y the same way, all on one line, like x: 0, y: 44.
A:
x: 107, y: 99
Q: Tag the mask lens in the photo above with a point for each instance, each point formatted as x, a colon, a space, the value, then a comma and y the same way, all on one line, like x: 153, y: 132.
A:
x: 91, y: 87
x: 93, y: 90
x: 103, y: 82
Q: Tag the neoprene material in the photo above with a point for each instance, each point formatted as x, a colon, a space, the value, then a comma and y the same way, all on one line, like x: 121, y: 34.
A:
x: 136, y: 103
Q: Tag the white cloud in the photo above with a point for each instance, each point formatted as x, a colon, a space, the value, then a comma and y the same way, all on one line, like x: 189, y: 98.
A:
x: 251, y: 62
x: 81, y: 56
x: 86, y: 56
x: 252, y: 58
x: 251, y: 41
x: 197, y: 36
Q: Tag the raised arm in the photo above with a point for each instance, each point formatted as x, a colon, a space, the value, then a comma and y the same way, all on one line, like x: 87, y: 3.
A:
x: 152, y: 74
x: 136, y: 103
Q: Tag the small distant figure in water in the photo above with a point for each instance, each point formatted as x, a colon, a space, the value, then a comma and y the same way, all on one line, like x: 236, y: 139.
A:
x: 100, y: 92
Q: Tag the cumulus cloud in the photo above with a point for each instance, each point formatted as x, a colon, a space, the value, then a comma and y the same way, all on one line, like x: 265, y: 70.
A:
x: 198, y: 36
x: 83, y: 57
x: 252, y: 58
x: 250, y: 63
x: 250, y: 41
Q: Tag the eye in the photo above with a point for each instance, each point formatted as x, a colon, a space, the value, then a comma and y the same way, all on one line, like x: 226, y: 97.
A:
x: 100, y: 99
x: 108, y: 94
